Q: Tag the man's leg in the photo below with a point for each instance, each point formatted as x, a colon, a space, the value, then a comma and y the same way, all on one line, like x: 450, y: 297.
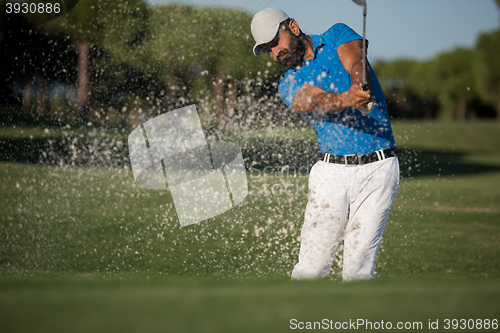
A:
x: 371, y: 196
x: 324, y: 222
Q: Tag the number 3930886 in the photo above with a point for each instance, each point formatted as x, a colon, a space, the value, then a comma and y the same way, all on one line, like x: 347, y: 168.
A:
x: 453, y: 324
x: 32, y: 8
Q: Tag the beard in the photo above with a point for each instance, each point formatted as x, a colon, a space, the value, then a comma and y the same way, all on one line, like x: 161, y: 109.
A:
x: 294, y: 55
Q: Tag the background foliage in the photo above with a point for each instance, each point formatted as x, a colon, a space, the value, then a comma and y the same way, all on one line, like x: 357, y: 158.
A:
x: 458, y: 84
x: 120, y: 62
x: 84, y: 249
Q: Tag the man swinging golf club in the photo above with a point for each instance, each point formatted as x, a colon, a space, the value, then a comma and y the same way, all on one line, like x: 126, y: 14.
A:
x: 356, y: 180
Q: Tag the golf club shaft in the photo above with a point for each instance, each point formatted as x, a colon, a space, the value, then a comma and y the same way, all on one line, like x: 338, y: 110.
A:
x: 363, y: 61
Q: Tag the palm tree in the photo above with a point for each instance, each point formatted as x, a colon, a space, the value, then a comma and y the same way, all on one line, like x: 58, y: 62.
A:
x: 93, y: 22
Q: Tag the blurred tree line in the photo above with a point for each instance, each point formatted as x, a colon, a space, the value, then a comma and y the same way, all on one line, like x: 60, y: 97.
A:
x: 463, y: 83
x: 118, y: 62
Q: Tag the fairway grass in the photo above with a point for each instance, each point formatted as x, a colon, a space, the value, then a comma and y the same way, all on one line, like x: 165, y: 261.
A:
x: 259, y: 306
x: 84, y: 249
x: 59, y: 221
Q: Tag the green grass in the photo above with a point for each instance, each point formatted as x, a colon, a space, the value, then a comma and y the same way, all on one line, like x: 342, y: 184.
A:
x: 51, y: 132
x: 190, y: 306
x: 84, y: 249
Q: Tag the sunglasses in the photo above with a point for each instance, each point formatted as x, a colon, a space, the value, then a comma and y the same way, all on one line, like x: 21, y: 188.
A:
x: 267, y: 48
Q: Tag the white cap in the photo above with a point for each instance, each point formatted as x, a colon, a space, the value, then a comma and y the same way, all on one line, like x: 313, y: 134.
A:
x: 265, y: 26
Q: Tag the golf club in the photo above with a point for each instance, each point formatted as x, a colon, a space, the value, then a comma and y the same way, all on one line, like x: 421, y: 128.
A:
x: 362, y: 3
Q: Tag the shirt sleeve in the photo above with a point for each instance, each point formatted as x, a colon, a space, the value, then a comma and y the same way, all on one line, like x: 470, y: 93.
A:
x: 339, y: 34
x: 289, y: 86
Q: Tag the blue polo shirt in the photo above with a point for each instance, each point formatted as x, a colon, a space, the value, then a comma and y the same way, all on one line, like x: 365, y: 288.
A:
x: 348, y: 132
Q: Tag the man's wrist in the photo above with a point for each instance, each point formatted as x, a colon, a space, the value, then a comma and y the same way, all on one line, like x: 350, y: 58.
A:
x: 336, y: 102
x: 343, y: 103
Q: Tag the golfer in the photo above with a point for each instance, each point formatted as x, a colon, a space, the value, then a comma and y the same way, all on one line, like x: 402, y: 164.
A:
x: 356, y: 178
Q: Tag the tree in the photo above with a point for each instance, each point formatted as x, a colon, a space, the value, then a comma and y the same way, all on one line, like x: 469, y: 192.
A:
x: 214, y: 43
x: 94, y: 21
x: 394, y: 78
x: 444, y: 86
x: 454, y: 83
x: 487, y: 65
x: 30, y: 60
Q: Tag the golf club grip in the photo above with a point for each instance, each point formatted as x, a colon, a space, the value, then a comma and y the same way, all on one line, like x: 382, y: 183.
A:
x: 370, y: 105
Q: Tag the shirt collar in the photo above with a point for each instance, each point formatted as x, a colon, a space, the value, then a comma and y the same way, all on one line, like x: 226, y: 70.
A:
x: 318, y: 42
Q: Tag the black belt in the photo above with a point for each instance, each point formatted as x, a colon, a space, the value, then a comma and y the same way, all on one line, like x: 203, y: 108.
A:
x: 359, y: 159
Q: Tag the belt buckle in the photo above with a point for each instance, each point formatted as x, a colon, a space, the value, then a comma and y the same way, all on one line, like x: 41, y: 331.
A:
x: 351, y: 155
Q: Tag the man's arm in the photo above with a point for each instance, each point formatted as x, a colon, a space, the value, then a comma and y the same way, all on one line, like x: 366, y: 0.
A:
x: 351, y: 56
x: 312, y: 98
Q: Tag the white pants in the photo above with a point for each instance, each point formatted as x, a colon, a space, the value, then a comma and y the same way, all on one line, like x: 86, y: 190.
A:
x: 349, y: 203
